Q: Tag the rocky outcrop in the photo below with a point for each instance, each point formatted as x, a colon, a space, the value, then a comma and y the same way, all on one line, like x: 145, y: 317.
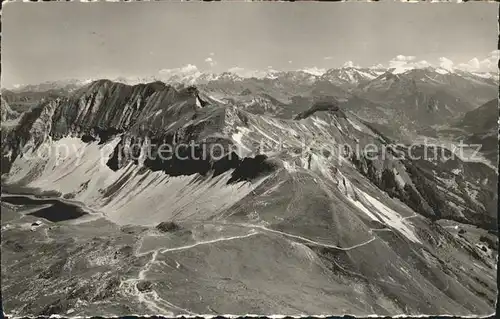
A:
x: 330, y: 106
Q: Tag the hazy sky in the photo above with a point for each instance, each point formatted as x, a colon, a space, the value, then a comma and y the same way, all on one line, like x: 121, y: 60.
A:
x: 50, y: 41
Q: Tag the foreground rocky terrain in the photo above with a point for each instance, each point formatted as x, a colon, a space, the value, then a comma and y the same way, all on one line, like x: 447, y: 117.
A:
x: 306, y: 207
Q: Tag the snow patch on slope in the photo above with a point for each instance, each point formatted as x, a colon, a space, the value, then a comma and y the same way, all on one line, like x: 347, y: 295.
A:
x: 355, y: 125
x: 374, y: 209
x: 389, y: 216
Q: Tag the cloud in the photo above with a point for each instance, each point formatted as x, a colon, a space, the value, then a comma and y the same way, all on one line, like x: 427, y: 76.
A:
x: 350, y: 64
x: 314, y: 71
x: 474, y: 63
x: 290, y: 62
x: 490, y: 63
x: 471, y: 66
x: 190, y: 68
x: 327, y: 58
x: 405, y: 58
x: 187, y: 70
x: 398, y: 64
x: 403, y: 63
x: 487, y: 64
x: 245, y: 73
x: 446, y: 63
x: 212, y: 54
x: 210, y: 61
x: 235, y: 69
x: 421, y: 64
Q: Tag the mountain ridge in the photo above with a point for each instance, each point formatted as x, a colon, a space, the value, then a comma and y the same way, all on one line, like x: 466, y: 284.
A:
x: 341, y: 207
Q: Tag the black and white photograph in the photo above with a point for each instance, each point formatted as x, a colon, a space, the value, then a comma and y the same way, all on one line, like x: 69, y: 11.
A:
x: 232, y: 159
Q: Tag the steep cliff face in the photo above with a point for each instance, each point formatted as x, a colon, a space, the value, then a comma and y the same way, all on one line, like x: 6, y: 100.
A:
x: 325, y: 194
x: 104, y: 105
x: 7, y: 113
